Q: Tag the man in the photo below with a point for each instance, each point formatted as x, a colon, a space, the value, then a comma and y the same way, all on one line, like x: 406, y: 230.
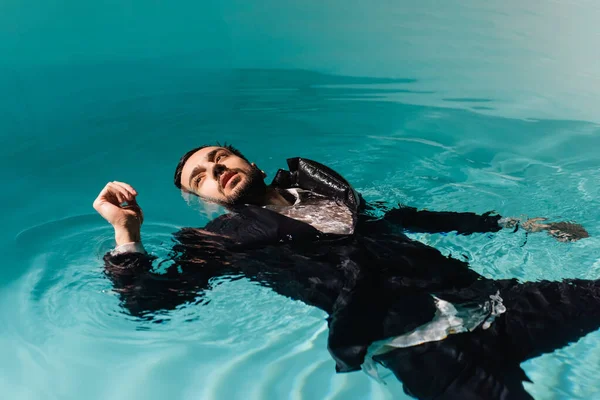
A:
x: 445, y: 331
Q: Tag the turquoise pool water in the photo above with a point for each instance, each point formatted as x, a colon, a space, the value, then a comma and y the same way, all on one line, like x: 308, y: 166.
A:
x: 503, y: 121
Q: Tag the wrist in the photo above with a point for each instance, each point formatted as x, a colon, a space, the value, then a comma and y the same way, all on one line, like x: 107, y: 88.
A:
x: 509, y: 222
x: 134, y: 247
x: 124, y: 235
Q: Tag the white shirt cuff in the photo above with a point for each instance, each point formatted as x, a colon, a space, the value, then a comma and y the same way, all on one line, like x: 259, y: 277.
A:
x: 132, y: 247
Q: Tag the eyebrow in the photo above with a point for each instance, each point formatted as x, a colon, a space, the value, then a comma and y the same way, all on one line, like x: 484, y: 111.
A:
x: 210, y: 157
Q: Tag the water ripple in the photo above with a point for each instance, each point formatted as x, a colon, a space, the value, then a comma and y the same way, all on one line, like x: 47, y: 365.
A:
x: 64, y: 315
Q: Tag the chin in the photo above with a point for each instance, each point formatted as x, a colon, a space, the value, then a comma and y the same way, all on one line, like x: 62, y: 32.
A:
x: 239, y: 184
x: 234, y: 194
x: 248, y: 188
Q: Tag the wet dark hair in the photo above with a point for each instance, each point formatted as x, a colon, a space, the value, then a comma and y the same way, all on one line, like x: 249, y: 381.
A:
x: 186, y: 156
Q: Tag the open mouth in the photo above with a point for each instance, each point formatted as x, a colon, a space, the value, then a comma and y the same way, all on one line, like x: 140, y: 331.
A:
x: 226, y: 177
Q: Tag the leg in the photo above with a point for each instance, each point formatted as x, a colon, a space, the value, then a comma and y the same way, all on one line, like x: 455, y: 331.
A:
x: 544, y: 316
x: 484, y: 364
x: 466, y: 366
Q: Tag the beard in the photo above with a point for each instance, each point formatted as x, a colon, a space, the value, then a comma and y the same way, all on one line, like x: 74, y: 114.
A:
x: 249, y: 191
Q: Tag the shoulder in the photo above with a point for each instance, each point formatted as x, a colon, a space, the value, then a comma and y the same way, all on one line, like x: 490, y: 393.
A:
x: 314, y: 176
x: 253, y: 225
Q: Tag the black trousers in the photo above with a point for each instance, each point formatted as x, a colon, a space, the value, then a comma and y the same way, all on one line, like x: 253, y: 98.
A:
x: 485, y: 364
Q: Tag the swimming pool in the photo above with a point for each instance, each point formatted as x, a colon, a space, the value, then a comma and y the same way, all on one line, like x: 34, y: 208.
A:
x: 440, y: 140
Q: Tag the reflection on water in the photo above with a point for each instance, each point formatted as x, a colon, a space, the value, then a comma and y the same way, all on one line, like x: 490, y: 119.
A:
x: 535, y: 59
x: 64, y: 312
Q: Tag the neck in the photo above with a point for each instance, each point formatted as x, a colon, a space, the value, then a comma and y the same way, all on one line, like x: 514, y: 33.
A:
x: 269, y: 197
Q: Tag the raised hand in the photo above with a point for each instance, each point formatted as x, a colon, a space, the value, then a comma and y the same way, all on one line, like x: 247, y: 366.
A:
x: 117, y: 204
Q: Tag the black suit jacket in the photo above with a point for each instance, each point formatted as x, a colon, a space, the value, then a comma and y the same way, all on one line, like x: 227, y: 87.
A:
x: 374, y: 284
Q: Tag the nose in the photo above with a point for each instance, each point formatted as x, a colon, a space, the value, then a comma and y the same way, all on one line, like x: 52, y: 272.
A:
x: 218, y: 169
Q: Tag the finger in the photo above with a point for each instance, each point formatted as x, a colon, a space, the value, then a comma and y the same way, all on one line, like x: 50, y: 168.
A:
x: 127, y: 187
x: 105, y: 190
x: 105, y: 195
x: 120, y: 197
x: 121, y: 193
x: 536, y: 219
x: 120, y: 189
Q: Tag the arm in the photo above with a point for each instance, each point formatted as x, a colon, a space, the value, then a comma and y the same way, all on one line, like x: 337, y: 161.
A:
x: 133, y: 272
x: 141, y: 291
x: 117, y: 204
x: 248, y: 242
x: 466, y: 223
x: 411, y: 219
x: 145, y: 286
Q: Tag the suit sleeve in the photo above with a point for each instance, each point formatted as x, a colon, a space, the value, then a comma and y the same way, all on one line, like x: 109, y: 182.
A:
x: 147, y: 285
x: 464, y: 223
x: 230, y: 244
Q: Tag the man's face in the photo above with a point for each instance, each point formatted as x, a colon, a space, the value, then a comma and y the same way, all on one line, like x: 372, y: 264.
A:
x: 215, y: 174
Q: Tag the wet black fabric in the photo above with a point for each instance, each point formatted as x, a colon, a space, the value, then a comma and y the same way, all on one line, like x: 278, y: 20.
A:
x: 374, y: 284
x: 311, y: 175
x: 484, y: 364
x: 411, y: 219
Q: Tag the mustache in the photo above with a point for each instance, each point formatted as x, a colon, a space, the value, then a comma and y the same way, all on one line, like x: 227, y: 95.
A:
x: 225, y: 170
x: 248, y: 192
